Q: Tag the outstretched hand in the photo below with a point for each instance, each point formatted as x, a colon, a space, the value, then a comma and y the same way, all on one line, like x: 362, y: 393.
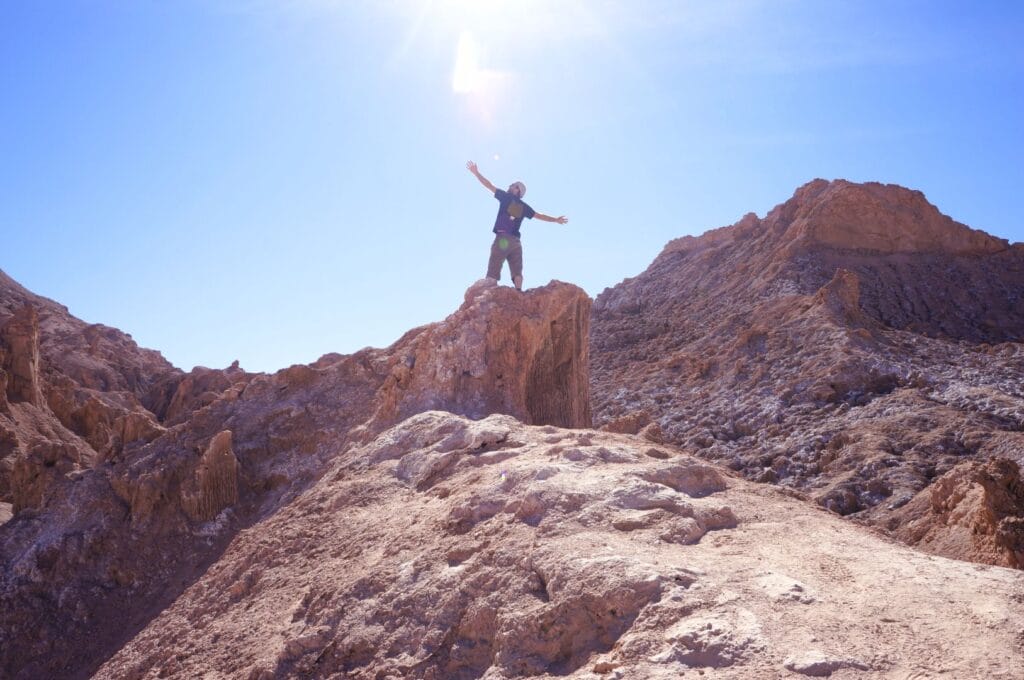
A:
x: 562, y: 219
x: 471, y: 166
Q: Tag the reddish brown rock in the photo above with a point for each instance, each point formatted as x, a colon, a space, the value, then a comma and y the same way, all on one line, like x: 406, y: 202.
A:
x: 128, y: 428
x: 143, y: 514
x: 214, y: 484
x: 4, y: 406
x: 631, y: 423
x: 76, y: 394
x: 974, y: 512
x: 41, y: 468
x: 504, y: 351
x: 843, y: 345
x: 19, y: 356
x: 201, y: 387
x: 882, y: 218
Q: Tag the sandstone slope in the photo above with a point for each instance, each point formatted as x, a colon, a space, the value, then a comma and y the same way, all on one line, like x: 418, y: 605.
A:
x: 855, y: 344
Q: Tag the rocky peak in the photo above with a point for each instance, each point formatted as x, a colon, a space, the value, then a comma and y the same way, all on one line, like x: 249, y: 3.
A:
x: 844, y: 344
x: 882, y: 218
x: 839, y: 215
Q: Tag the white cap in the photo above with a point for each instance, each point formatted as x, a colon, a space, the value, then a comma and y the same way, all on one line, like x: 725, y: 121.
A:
x: 522, y: 188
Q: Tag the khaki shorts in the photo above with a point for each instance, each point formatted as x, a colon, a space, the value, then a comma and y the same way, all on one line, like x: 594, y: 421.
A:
x: 505, y: 247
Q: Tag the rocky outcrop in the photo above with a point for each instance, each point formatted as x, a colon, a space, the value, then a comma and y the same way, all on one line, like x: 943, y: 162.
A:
x: 881, y: 218
x: 19, y: 356
x: 854, y: 344
x: 199, y: 388
x: 214, y: 484
x: 523, y: 354
x: 451, y: 548
x: 74, y: 395
x: 147, y: 506
x: 973, y: 512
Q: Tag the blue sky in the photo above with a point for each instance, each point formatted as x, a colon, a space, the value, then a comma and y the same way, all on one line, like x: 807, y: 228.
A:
x: 271, y: 181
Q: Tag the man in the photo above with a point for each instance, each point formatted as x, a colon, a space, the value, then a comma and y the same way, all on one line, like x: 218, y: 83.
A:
x: 511, y: 211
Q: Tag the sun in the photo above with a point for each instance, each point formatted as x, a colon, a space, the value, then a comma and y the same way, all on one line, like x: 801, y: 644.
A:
x: 494, y: 44
x: 468, y: 76
x: 477, y: 12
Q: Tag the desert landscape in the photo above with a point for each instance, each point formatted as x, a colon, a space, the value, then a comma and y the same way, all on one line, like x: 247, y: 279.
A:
x: 791, y: 447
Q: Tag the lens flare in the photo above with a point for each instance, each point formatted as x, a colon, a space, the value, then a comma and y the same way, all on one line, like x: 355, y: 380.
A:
x: 468, y: 77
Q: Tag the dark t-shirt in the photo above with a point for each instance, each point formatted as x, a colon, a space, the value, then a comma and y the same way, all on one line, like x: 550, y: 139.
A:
x: 511, y: 212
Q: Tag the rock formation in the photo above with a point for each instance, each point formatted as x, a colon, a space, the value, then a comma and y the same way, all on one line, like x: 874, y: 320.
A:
x: 502, y: 352
x: 450, y: 548
x: 975, y: 511
x: 19, y: 357
x: 76, y: 395
x: 440, y: 508
x: 854, y: 344
x: 127, y: 530
x: 214, y: 485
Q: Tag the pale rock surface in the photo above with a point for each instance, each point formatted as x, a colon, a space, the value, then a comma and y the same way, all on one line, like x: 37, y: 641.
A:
x: 451, y: 548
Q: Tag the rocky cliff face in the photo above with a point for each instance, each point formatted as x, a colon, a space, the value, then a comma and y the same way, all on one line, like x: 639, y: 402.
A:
x: 854, y: 344
x: 119, y: 533
x: 76, y: 395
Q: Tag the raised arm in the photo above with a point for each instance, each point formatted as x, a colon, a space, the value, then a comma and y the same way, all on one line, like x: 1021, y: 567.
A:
x: 483, y: 180
x: 548, y: 218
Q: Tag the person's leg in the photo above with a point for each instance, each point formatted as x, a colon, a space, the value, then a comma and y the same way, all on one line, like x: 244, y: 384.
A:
x: 515, y: 262
x: 497, y: 258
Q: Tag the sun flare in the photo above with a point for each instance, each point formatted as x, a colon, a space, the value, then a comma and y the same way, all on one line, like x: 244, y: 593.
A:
x: 468, y: 76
